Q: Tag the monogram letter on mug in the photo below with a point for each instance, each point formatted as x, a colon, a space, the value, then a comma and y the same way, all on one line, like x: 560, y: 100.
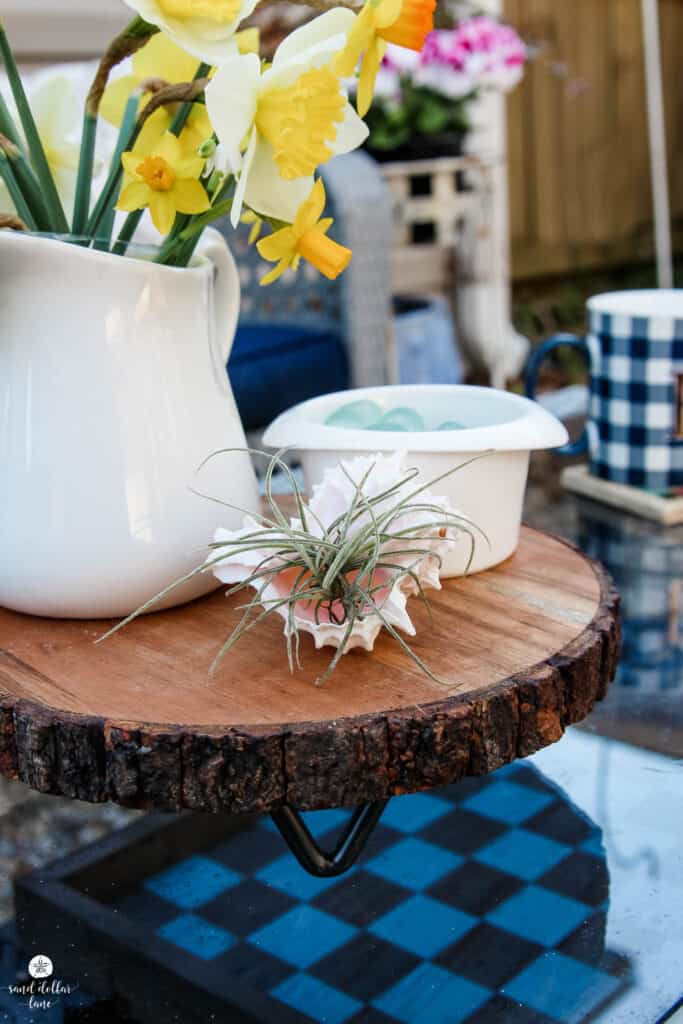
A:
x: 634, y: 352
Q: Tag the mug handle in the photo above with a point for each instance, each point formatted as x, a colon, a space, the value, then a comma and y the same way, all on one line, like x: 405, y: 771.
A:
x: 538, y: 355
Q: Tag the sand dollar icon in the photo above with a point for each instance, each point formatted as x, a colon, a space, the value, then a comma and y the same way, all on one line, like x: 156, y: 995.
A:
x: 40, y: 966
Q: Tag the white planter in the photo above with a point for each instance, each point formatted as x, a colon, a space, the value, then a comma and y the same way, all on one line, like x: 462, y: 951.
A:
x: 112, y: 391
x: 489, y: 491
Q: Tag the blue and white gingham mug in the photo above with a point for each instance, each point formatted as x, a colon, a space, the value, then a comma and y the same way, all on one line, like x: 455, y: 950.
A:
x: 634, y: 353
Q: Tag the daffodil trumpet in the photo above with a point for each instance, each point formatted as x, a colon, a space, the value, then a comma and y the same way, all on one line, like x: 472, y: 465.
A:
x: 305, y: 239
x: 403, y: 22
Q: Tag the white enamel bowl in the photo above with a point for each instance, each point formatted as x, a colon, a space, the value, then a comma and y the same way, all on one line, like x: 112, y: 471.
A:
x: 489, y: 491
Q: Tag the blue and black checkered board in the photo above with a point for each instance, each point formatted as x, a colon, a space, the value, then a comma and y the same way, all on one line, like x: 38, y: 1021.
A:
x: 483, y: 902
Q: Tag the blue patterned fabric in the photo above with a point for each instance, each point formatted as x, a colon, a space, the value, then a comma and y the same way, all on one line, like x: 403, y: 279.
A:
x: 273, y: 366
x: 481, y: 903
x: 633, y: 406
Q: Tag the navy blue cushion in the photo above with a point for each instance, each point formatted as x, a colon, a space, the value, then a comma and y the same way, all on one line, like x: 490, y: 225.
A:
x: 274, y: 366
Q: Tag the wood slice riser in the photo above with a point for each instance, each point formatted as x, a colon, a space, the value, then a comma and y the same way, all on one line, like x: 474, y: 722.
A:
x: 311, y: 765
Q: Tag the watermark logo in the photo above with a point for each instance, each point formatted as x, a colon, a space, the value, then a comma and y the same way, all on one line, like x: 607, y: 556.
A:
x: 40, y: 966
x: 44, y: 991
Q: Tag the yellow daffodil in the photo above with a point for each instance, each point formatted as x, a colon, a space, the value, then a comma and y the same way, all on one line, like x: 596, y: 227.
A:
x: 249, y: 217
x: 404, y: 22
x: 159, y: 58
x: 164, y: 179
x: 248, y: 40
x: 205, y: 28
x: 279, y: 124
x: 196, y: 131
x: 162, y: 60
x: 306, y: 238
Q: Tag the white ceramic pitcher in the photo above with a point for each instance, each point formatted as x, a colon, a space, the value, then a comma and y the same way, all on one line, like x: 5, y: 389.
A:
x: 112, y: 391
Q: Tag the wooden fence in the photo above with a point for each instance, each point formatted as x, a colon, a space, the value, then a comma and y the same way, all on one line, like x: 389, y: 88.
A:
x: 579, y: 172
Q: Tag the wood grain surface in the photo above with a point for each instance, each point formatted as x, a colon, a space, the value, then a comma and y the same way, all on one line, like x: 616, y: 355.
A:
x: 523, y: 650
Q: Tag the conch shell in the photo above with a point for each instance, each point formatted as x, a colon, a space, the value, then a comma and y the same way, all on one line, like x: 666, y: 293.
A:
x: 420, y: 556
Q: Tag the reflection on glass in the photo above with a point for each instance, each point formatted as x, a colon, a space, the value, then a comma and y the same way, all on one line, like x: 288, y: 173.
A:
x: 484, y: 901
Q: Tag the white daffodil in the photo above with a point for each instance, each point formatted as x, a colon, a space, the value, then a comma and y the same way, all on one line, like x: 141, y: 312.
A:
x: 277, y: 126
x: 204, y: 28
x: 56, y: 100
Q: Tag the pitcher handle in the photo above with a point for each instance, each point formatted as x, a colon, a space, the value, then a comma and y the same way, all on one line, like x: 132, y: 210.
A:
x: 226, y: 298
x: 538, y: 355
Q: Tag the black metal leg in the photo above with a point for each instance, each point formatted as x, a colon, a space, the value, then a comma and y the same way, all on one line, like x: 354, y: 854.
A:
x: 323, y: 863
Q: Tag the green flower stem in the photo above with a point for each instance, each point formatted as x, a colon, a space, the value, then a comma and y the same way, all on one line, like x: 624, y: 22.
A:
x: 109, y: 193
x: 7, y: 125
x: 136, y: 34
x: 27, y: 182
x: 35, y: 147
x: 86, y: 162
x: 16, y: 195
x: 104, y: 213
x: 180, y: 119
x: 190, y: 235
x: 130, y: 226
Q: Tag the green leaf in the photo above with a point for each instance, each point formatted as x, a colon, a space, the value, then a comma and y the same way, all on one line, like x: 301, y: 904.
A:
x: 28, y: 185
x: 109, y: 194
x: 106, y: 223
x: 16, y: 195
x: 86, y: 162
x: 35, y: 147
x: 130, y: 226
x: 7, y: 125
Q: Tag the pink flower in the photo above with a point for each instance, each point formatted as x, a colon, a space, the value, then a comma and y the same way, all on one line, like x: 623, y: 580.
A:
x: 480, y: 52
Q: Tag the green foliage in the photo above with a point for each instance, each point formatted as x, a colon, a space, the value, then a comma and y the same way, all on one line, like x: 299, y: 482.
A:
x: 419, y: 112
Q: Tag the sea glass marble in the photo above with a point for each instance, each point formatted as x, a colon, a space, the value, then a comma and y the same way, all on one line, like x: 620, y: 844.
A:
x: 401, y: 418
x: 359, y: 415
x: 451, y: 425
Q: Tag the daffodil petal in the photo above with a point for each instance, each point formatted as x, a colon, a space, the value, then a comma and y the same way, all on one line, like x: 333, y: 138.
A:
x: 115, y: 98
x: 210, y: 42
x: 231, y: 100
x: 243, y: 180
x: 160, y: 57
x: 189, y: 196
x: 361, y: 31
x: 197, y: 128
x: 387, y: 12
x: 329, y: 30
x: 151, y: 131
x: 276, y: 272
x: 278, y: 245
x: 248, y: 40
x: 163, y: 211
x: 309, y: 212
x: 368, y: 74
x: 189, y: 166
x: 168, y: 147
x: 351, y: 132
x: 55, y: 108
x: 134, y: 196
x: 267, y: 192
x: 131, y: 162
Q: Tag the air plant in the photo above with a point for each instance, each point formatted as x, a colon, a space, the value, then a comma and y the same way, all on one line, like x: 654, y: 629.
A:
x: 371, y: 535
